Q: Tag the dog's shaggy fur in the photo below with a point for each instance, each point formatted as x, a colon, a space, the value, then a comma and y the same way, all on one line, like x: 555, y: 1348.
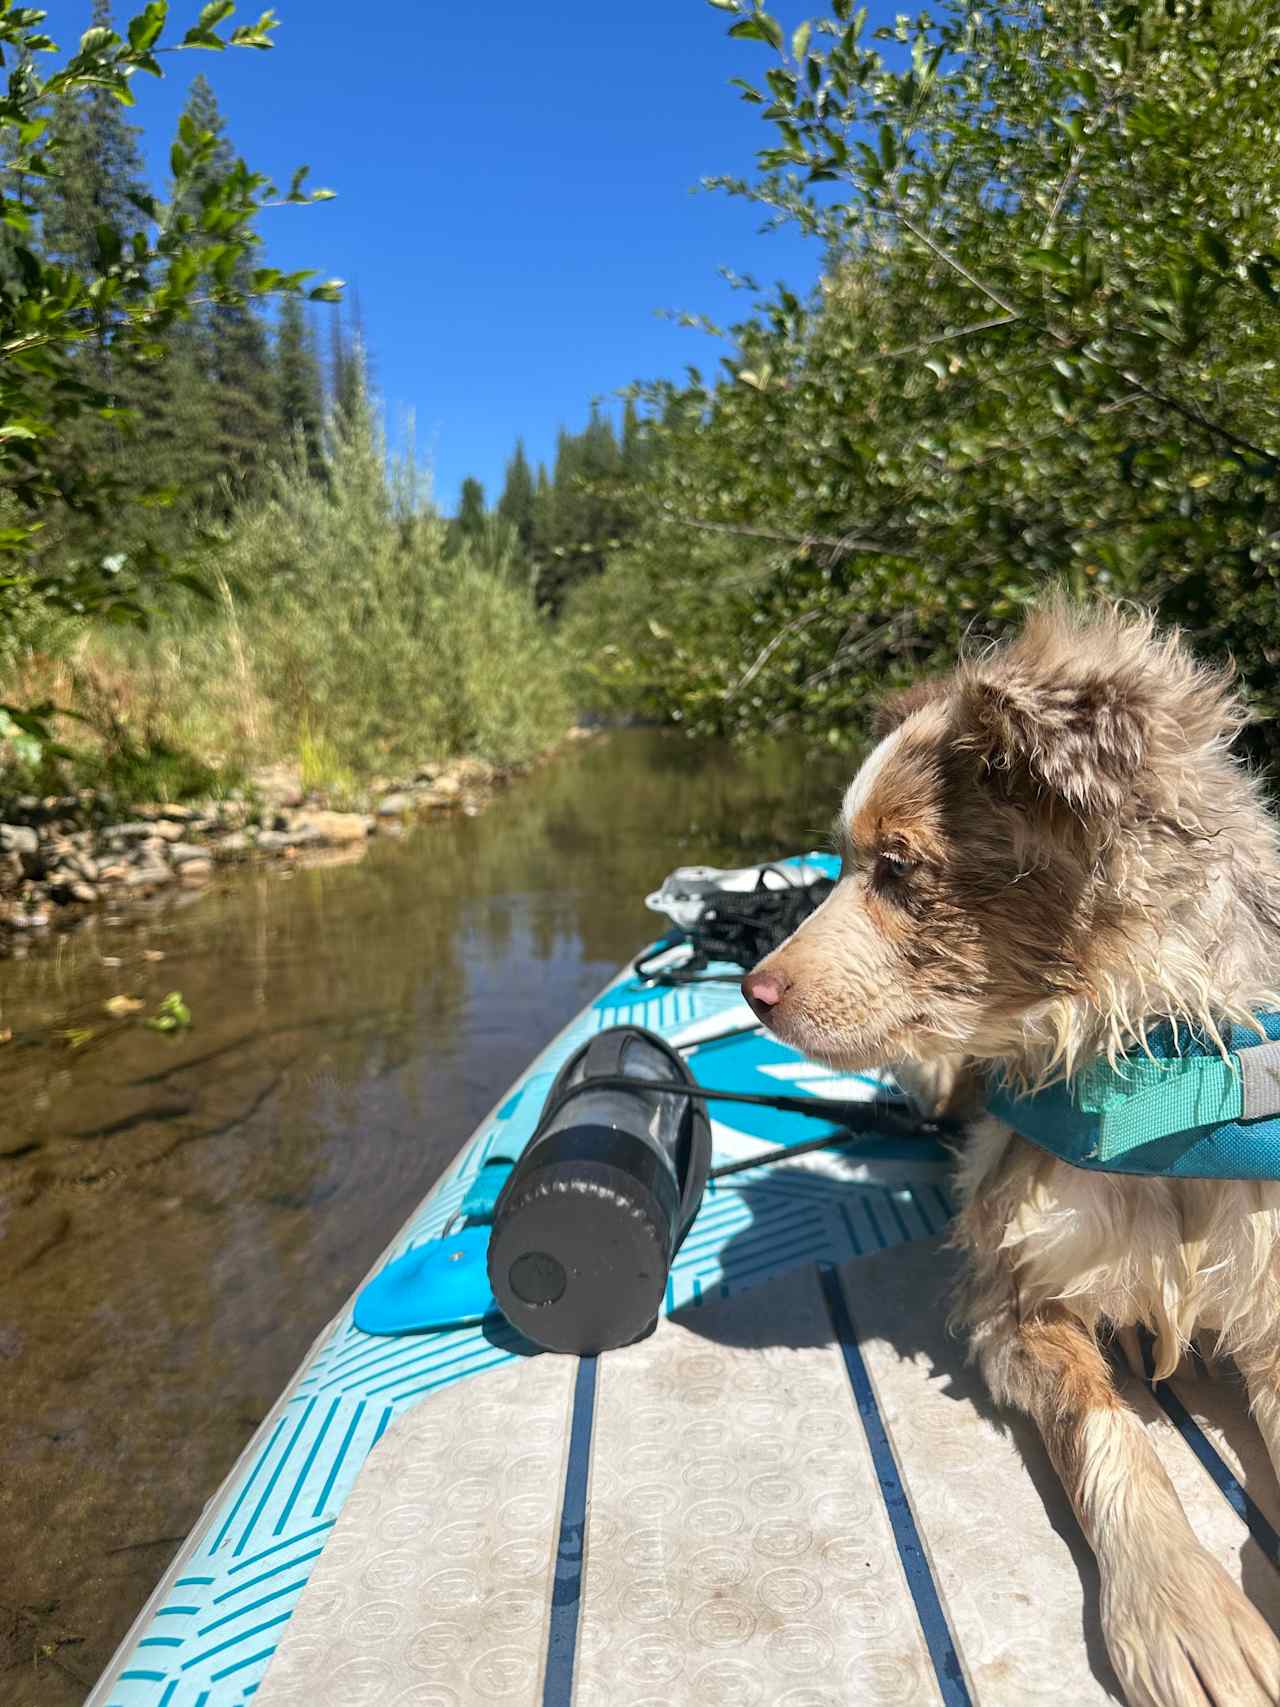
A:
x: 1048, y: 853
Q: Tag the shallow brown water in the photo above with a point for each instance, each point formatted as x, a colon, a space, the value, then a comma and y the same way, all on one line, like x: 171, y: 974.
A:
x: 180, y: 1216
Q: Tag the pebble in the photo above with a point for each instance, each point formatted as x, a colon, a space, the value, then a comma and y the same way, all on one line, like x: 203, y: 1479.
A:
x: 395, y: 805
x: 66, y: 886
x: 196, y: 870
x: 327, y: 829
x: 19, y: 839
x: 167, y: 810
x: 148, y: 876
x: 36, y: 919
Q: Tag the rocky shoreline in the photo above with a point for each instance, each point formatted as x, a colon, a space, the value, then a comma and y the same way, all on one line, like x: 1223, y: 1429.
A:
x: 62, y: 856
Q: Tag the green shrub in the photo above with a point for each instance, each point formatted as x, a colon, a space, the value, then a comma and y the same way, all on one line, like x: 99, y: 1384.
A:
x: 345, y: 634
x: 1043, y: 350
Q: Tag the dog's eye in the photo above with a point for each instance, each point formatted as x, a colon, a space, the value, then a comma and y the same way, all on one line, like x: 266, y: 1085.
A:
x: 892, y: 867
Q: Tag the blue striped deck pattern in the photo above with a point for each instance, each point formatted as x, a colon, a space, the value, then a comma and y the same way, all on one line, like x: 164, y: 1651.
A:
x: 208, y: 1637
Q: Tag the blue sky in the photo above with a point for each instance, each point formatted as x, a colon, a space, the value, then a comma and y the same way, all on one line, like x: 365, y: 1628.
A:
x: 514, y: 193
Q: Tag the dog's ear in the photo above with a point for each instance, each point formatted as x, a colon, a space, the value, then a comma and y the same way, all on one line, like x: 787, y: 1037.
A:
x: 897, y: 707
x: 1077, y: 730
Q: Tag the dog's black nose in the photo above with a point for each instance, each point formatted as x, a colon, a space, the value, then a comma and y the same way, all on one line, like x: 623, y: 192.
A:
x: 763, y: 991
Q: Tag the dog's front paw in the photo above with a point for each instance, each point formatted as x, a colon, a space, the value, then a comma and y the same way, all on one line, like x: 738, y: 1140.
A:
x: 1181, y: 1634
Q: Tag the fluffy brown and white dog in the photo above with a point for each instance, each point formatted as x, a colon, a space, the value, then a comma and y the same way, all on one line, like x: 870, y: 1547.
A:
x: 1048, y: 853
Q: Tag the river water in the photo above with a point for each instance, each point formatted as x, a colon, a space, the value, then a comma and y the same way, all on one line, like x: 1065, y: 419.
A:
x: 181, y: 1215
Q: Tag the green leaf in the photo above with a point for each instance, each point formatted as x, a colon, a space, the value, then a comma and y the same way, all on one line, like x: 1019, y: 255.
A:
x: 759, y: 27
x: 172, y: 1015
x: 726, y: 5
x: 256, y: 35
x: 1214, y: 248
x: 144, y: 30
x: 29, y: 267
x: 94, y: 42
x: 110, y: 244
x: 330, y: 291
x: 1260, y: 278
x: 1048, y: 261
x: 213, y: 14
x: 800, y: 41
x: 772, y: 29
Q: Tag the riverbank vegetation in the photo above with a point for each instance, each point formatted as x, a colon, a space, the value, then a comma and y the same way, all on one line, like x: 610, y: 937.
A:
x: 345, y: 627
x: 1044, y: 348
x: 215, y: 566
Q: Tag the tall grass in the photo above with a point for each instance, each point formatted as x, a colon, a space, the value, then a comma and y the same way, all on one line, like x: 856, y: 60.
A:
x: 342, y: 630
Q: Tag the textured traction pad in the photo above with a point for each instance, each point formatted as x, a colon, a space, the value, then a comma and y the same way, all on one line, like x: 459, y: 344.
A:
x: 747, y: 1542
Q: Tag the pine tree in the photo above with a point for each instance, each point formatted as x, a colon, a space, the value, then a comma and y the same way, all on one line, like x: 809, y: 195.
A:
x: 299, y: 382
x: 470, y: 525
x: 577, y: 521
x: 516, y: 505
x: 100, y: 178
x: 99, y: 184
x: 597, y: 448
x: 634, y: 451
x: 243, y: 415
x: 348, y: 369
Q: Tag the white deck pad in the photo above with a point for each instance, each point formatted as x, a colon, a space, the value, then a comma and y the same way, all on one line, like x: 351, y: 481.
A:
x: 798, y: 1496
x: 434, y: 1587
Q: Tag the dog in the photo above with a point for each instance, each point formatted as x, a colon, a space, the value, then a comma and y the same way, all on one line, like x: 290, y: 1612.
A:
x: 1047, y: 853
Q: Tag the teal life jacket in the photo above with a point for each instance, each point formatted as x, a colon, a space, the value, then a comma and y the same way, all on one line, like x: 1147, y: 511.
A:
x: 1186, y: 1114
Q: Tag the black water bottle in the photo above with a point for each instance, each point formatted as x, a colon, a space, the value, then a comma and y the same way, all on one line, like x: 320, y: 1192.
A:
x: 592, y: 1215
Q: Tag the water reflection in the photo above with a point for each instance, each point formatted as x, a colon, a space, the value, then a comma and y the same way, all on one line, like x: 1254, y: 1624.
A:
x: 180, y: 1216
